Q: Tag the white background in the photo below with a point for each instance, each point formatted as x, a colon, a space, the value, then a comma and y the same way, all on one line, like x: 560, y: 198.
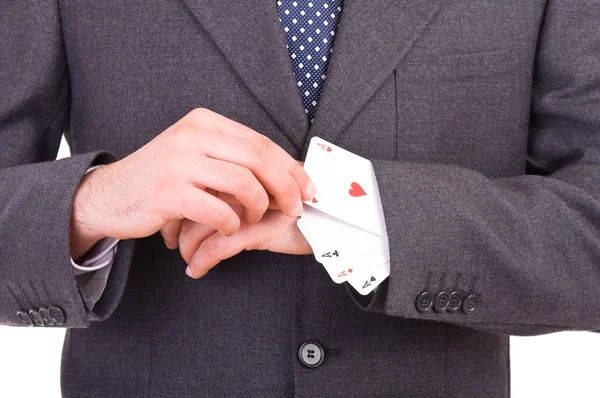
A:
x: 553, y: 366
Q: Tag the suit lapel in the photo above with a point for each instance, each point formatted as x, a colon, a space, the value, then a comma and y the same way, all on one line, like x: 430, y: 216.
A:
x: 372, y: 38
x: 250, y: 36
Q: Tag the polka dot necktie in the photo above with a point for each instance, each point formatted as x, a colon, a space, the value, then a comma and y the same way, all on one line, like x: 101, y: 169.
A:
x: 309, y: 28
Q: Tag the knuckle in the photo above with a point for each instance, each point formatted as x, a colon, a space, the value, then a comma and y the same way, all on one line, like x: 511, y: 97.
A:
x: 185, y: 207
x: 182, y: 136
x: 210, y: 249
x: 288, y: 188
x: 199, y: 113
x: 243, y: 180
x: 209, y: 166
x: 259, y: 200
x: 223, y: 219
x: 265, y: 142
x: 260, y: 154
x: 220, y: 216
x: 187, y: 228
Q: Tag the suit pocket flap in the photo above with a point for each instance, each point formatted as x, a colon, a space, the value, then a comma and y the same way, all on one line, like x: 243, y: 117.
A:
x: 457, y: 66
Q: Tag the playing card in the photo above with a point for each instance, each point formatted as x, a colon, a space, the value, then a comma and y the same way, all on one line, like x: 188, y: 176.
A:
x: 340, y: 271
x: 346, y: 186
x: 339, y: 246
x: 344, y: 223
x: 364, y: 281
x: 338, y: 239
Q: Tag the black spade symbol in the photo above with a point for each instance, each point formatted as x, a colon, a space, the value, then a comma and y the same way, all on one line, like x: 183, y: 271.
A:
x: 373, y: 279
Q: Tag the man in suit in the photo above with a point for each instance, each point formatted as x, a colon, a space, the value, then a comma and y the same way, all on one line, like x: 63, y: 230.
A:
x: 481, y: 118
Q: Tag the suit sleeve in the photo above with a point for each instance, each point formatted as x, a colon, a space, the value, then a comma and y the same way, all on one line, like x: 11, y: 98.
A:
x: 522, y: 253
x: 37, y: 282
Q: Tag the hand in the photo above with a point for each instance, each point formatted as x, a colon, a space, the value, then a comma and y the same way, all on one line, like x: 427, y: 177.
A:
x: 167, y: 180
x: 232, y: 200
x: 202, y: 247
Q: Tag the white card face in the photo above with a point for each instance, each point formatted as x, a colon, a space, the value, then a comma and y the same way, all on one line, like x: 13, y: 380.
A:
x: 343, y: 272
x: 346, y: 186
x: 366, y: 280
x: 345, y: 224
x: 338, y: 239
x: 341, y: 248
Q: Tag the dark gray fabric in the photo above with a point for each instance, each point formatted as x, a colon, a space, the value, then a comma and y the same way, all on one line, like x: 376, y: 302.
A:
x: 482, y: 120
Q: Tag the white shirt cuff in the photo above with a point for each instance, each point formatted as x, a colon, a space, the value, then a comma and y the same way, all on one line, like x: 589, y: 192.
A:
x: 99, y: 256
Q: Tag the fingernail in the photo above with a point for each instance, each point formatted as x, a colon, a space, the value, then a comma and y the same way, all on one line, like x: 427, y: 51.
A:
x: 188, y: 272
x: 311, y: 190
x: 298, y: 209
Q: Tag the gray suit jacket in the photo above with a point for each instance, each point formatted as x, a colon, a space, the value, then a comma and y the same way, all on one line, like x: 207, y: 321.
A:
x: 482, y: 119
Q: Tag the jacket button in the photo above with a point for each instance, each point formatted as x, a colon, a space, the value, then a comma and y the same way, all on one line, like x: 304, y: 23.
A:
x: 424, y: 302
x: 24, y: 318
x: 454, y: 302
x: 36, y: 318
x: 46, y: 316
x: 57, y: 315
x: 311, y: 354
x: 470, y: 303
x: 441, y: 301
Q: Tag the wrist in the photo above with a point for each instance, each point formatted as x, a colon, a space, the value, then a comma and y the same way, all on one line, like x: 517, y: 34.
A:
x: 85, y: 216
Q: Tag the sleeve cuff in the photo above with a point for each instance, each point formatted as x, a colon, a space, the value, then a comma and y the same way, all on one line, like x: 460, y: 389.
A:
x: 92, y: 284
x: 96, y: 263
x: 99, y: 256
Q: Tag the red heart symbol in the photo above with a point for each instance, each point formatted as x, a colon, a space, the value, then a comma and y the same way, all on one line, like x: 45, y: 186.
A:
x: 326, y: 147
x: 314, y: 200
x: 356, y: 190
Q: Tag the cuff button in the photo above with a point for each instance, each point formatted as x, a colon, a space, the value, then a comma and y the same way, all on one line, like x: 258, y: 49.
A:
x: 24, y: 318
x: 36, y: 318
x: 424, y: 301
x: 57, y: 315
x: 46, y: 316
x: 455, y: 302
x: 442, y: 299
x: 470, y: 303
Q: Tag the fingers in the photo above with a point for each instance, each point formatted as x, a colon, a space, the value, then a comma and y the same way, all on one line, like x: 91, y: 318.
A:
x: 203, y: 249
x: 170, y: 233
x: 234, y: 180
x: 192, y: 234
x: 281, y: 175
x: 272, y: 170
x: 217, y: 248
x: 307, y: 188
x: 232, y: 200
x: 204, y: 208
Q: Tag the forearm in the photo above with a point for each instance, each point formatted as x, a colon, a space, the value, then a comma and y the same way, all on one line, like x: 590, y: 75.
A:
x: 522, y: 244
x: 35, y: 204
